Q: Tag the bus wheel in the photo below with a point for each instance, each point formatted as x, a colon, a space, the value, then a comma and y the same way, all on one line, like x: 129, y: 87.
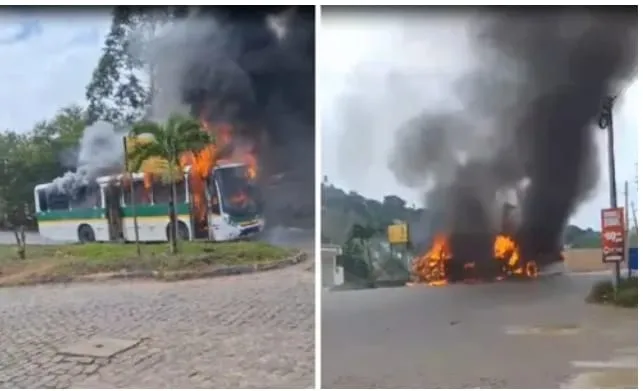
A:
x: 86, y: 234
x: 182, y: 231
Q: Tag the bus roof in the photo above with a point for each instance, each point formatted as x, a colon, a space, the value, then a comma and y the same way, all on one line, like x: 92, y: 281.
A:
x: 228, y: 164
x: 137, y: 176
x: 42, y: 186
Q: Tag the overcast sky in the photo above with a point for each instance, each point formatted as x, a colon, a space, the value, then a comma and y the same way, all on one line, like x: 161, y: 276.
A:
x: 47, y: 60
x: 358, y: 56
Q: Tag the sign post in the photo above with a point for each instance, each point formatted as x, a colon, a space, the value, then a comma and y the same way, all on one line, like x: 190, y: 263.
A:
x: 613, y: 236
x: 398, y: 237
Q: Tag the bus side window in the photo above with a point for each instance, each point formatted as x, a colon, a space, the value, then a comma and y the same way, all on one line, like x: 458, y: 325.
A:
x: 180, y: 192
x: 161, y: 192
x: 142, y: 195
x: 58, y: 201
x: 86, y: 197
x: 42, y: 201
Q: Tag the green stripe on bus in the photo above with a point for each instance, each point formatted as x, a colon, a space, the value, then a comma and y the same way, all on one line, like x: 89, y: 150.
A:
x: 159, y: 210
x: 154, y: 210
x: 74, y: 214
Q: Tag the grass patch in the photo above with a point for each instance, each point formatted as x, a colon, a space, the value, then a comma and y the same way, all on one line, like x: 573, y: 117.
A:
x: 627, y: 295
x: 48, y: 263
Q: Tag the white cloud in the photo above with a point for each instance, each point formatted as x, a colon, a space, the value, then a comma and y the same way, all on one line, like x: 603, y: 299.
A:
x: 357, y: 160
x: 51, y: 67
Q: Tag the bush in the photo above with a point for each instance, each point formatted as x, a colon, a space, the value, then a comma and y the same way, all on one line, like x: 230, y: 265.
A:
x: 629, y: 283
x: 602, y: 292
x: 627, y: 297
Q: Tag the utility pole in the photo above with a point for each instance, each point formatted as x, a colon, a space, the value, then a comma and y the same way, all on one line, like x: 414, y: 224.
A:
x: 633, y: 205
x: 132, y: 197
x: 627, y: 231
x: 605, y: 121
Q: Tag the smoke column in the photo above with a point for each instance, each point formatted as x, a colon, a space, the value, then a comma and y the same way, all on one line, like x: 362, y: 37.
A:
x: 529, y: 113
x: 253, y: 69
x: 100, y: 153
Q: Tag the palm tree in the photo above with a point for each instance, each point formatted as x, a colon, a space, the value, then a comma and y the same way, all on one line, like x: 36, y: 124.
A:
x: 178, y: 135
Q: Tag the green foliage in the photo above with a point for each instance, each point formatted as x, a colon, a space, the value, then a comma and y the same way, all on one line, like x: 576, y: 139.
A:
x: 36, y: 157
x: 178, y: 135
x: 347, y: 214
x: 626, y: 296
x: 122, y: 83
x: 353, y: 259
x: 601, y: 292
x: 577, y: 237
x: 115, y: 92
x: 362, y: 232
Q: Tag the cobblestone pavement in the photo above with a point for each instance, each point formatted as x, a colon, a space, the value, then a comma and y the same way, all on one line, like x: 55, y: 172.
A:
x: 537, y: 334
x: 245, y: 331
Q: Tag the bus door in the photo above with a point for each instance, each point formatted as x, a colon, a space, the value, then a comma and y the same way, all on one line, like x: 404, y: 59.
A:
x: 114, y: 212
x: 214, y: 208
x: 193, y: 191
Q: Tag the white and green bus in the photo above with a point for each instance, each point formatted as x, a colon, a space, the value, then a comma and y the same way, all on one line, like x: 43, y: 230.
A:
x: 103, y: 211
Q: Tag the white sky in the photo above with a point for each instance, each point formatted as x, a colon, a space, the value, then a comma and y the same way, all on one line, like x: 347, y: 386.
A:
x: 47, y: 61
x: 434, y: 52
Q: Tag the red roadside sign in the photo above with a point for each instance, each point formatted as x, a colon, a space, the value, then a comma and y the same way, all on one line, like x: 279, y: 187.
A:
x: 613, y: 235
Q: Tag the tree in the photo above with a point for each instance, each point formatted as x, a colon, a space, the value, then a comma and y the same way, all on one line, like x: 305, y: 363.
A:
x: 115, y: 92
x: 119, y: 90
x: 38, y: 156
x: 341, y: 211
x: 178, y: 135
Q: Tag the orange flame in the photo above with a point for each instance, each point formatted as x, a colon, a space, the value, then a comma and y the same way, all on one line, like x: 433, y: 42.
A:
x: 430, y: 268
x: 202, y: 163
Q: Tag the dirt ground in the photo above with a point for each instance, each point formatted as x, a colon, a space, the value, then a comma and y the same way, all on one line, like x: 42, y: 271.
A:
x: 585, y: 260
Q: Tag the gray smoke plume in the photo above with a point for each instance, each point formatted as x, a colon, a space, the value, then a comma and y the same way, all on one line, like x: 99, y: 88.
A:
x: 255, y: 71
x: 100, y: 152
x: 529, y: 113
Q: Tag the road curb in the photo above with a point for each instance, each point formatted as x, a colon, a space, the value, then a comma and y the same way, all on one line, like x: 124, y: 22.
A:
x: 222, y: 271
x: 179, y: 275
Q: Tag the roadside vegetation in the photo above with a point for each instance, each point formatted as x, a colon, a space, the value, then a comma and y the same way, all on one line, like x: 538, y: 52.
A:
x: 626, y: 296
x: 62, y: 263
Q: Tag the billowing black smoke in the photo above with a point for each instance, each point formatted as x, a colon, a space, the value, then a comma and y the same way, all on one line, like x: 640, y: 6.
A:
x: 254, y: 67
x: 529, y: 113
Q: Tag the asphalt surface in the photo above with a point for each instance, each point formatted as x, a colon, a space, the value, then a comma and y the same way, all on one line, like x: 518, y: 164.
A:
x: 245, y: 331
x: 468, y: 336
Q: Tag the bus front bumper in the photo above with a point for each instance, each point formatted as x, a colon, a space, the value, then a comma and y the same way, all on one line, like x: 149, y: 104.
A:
x: 239, y: 231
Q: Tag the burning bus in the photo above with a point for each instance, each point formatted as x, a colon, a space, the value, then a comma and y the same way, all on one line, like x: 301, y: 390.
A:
x: 497, y: 254
x: 226, y: 208
x: 217, y: 197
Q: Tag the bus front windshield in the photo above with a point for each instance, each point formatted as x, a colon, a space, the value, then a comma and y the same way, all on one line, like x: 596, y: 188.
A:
x: 239, y: 195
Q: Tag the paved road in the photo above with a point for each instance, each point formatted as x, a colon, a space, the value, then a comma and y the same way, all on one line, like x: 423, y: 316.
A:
x: 476, y: 336
x: 7, y: 237
x: 243, y: 331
